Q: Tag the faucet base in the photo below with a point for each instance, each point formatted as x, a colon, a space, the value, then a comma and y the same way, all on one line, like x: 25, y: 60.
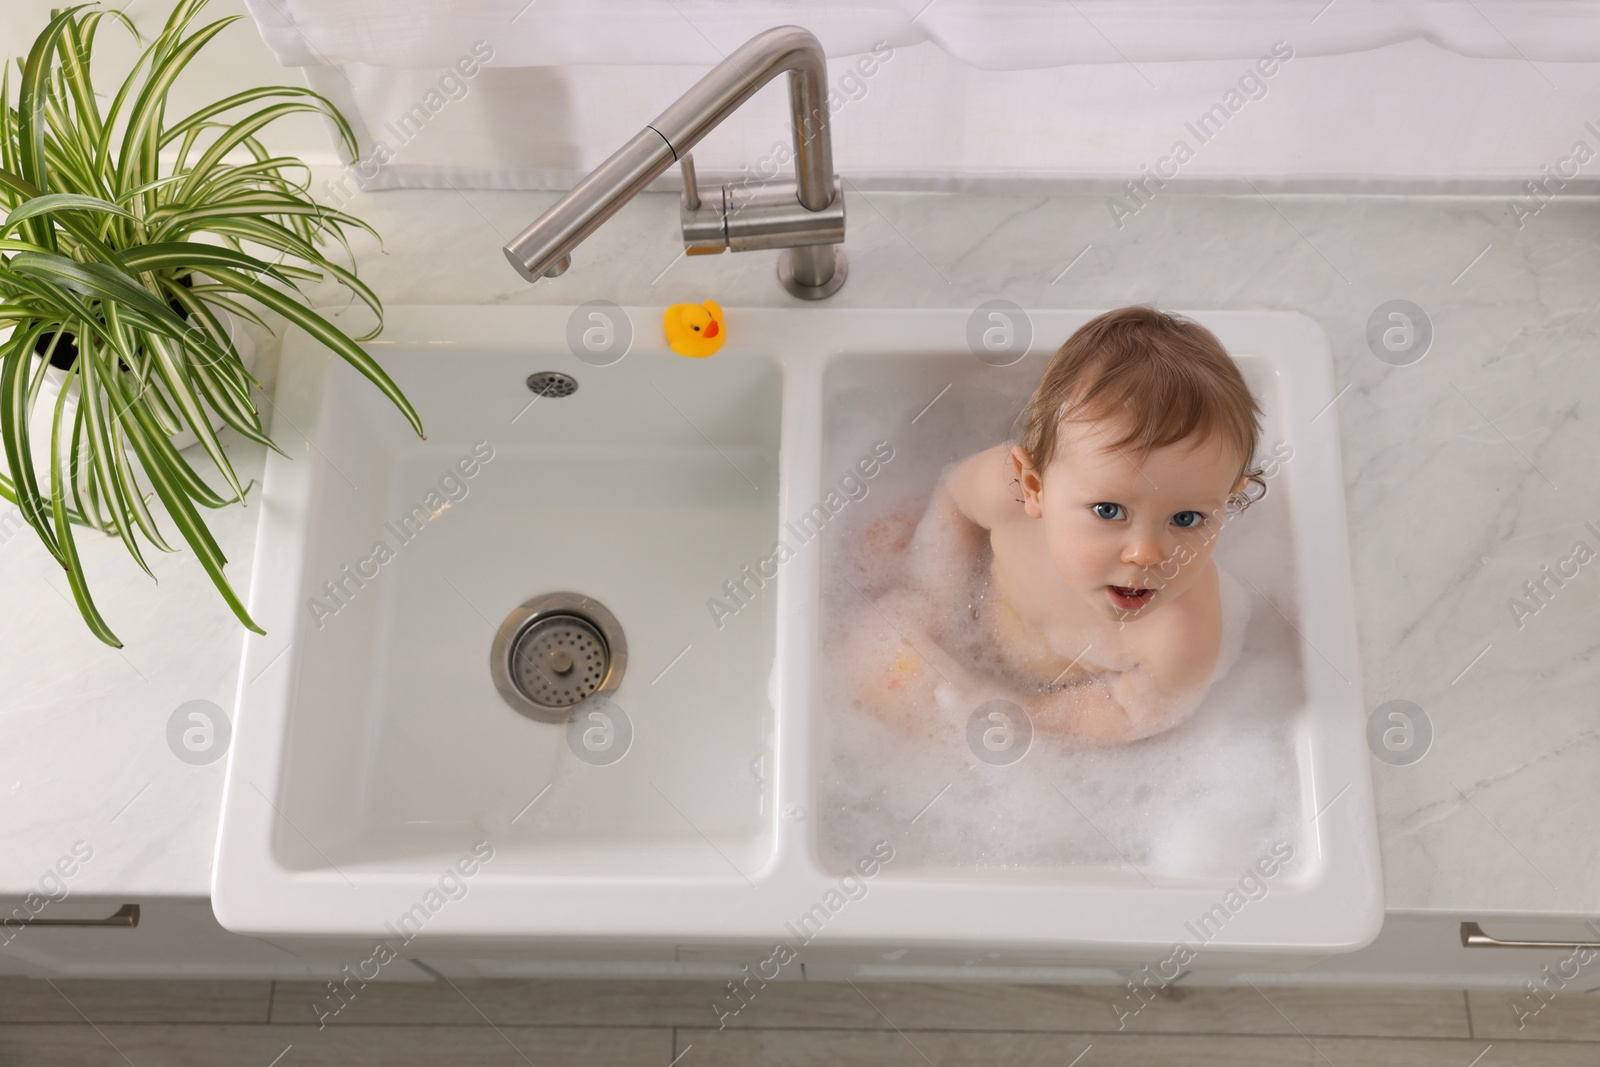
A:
x: 786, y: 271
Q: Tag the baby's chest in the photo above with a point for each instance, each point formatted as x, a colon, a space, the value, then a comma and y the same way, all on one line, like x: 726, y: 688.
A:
x: 1053, y: 624
x: 1111, y: 647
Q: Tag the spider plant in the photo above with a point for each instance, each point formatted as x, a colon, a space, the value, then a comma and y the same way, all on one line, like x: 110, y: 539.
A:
x: 125, y: 234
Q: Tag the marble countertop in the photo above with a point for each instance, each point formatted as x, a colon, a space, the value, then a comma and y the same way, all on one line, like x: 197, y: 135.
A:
x: 1466, y: 474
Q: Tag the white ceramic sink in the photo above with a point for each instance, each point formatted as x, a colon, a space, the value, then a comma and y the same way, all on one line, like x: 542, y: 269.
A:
x: 373, y: 754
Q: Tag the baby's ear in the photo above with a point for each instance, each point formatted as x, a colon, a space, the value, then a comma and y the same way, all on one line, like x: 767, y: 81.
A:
x: 1028, y: 480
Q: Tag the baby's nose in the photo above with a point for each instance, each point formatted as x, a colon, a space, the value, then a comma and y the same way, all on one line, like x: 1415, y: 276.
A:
x: 1144, y: 552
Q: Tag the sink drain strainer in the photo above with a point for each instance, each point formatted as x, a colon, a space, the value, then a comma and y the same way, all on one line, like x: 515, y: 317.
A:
x: 554, y: 651
x: 552, y: 383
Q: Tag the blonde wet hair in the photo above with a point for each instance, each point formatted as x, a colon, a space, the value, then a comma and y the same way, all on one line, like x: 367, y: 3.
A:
x: 1165, y: 376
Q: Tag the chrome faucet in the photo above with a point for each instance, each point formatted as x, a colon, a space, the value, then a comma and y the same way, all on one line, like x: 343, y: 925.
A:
x: 804, y: 217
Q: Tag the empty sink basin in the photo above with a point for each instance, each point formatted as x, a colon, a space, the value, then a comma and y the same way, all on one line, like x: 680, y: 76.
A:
x: 390, y: 564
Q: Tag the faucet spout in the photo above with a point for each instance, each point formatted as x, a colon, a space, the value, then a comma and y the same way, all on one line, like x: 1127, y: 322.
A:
x: 543, y: 249
x: 737, y: 78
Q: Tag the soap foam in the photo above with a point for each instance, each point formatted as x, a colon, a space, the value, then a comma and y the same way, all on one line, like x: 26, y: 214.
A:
x: 1202, y: 800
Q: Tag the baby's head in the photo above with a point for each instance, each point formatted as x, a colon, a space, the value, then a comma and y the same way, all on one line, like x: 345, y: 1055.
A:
x: 1135, y: 440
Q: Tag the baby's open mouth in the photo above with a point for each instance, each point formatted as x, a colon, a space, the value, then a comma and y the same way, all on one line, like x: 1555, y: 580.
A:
x: 1129, y: 598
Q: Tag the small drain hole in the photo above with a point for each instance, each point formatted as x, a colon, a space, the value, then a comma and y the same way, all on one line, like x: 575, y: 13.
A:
x: 550, y: 383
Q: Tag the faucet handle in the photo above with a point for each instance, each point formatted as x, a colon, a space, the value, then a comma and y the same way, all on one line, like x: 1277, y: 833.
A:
x: 704, y: 229
x: 691, y: 188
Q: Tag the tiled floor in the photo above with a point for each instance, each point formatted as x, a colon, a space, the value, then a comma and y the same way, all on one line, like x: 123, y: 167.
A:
x: 595, y: 1023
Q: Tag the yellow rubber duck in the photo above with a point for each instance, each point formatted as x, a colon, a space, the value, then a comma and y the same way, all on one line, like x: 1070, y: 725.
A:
x: 695, y: 330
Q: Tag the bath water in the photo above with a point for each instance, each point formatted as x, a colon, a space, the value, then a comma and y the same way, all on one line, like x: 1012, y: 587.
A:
x: 1202, y: 800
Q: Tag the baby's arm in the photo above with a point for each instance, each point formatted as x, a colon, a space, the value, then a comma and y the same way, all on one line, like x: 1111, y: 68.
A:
x: 901, y: 664
x: 966, y: 503
x: 1165, y: 684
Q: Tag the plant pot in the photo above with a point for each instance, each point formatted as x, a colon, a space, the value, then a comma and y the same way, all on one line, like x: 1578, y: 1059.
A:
x: 39, y: 426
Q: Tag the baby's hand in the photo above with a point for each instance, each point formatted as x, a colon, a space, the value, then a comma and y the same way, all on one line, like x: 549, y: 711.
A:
x: 1111, y: 708
x: 1148, y: 708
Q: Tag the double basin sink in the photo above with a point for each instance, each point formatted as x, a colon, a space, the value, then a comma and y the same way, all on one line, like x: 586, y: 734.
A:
x: 593, y: 514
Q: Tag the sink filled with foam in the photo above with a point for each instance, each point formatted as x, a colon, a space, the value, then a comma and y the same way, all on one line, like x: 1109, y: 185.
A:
x: 1195, y: 804
x: 730, y: 514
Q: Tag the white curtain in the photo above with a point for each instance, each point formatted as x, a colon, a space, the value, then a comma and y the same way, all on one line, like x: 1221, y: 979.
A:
x: 967, y: 94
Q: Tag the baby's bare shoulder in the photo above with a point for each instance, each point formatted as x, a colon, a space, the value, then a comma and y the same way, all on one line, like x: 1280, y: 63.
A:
x: 1180, y: 644
x: 983, y: 486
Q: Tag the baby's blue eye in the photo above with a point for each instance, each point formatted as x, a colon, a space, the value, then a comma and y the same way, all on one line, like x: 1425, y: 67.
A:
x: 1116, y: 511
x: 1188, y: 520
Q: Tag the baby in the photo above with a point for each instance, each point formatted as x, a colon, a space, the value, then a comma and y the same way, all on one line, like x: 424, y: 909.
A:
x: 1103, y: 612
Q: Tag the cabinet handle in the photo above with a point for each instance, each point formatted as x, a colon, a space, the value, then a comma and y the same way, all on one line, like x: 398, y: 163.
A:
x: 1472, y: 936
x: 127, y: 915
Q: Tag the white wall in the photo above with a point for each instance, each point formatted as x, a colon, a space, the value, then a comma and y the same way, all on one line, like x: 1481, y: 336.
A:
x: 234, y: 60
x: 1401, y: 95
x: 1410, y: 116
x: 1407, y: 117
